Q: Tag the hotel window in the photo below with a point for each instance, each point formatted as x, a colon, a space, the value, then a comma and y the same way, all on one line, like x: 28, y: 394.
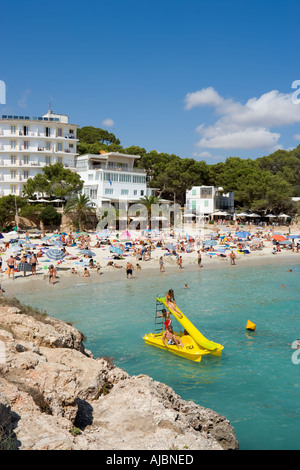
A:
x: 90, y: 177
x: 206, y: 203
x: 109, y: 191
x: 135, y: 192
x: 13, y: 144
x: 13, y: 189
x: 48, y: 160
x: 25, y: 130
x: 48, y: 131
x: 194, y: 192
x: 59, y: 132
x: 138, y: 179
x: 59, y: 147
x: 124, y: 178
x: 26, y: 144
x: 48, y: 145
x: 13, y: 174
x: 71, y: 146
x: 111, y: 177
x: 25, y: 174
x: 13, y: 159
x: 194, y: 205
x: 59, y: 159
x: 93, y: 194
x: 26, y: 159
x: 206, y: 193
x: 71, y: 131
x: 124, y: 192
x: 13, y: 130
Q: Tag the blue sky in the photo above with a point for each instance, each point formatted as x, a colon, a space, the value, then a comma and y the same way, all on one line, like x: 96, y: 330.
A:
x: 205, y: 79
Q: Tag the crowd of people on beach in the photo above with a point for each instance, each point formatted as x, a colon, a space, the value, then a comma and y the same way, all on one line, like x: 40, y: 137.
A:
x: 84, y: 253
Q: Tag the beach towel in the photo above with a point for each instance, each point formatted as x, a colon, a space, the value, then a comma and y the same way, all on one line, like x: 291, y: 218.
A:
x: 24, y: 267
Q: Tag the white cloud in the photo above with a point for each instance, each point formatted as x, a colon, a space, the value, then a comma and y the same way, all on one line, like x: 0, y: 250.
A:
x: 22, y: 103
x: 244, y: 126
x: 108, y: 122
x: 248, y: 138
x: 297, y: 136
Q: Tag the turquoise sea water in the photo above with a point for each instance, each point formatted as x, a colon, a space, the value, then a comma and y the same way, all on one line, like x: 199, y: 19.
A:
x: 255, y: 383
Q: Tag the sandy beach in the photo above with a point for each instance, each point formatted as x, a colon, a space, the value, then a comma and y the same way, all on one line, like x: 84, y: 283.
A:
x: 148, y: 267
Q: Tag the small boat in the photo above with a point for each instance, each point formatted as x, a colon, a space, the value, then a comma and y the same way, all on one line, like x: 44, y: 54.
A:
x: 195, y: 345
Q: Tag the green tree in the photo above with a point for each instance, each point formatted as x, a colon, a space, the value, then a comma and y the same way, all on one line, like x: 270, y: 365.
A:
x: 50, y: 216
x: 80, y: 207
x: 54, y: 180
x: 93, y: 139
x: 147, y: 201
x: 9, y: 207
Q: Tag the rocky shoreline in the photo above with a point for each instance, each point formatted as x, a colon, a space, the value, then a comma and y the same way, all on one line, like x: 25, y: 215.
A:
x: 54, y: 395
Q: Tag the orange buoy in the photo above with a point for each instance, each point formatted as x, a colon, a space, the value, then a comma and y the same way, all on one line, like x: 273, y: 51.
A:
x: 250, y: 326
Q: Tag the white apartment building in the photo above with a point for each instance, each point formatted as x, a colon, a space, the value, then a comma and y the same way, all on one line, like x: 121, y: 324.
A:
x: 208, y: 200
x: 29, y: 144
x: 110, y: 178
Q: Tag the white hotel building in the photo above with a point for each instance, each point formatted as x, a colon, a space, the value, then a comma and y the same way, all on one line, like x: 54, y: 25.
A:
x: 205, y: 201
x: 110, y: 178
x: 29, y: 144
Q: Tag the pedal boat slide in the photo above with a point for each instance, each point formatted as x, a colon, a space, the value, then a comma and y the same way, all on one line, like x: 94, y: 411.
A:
x: 195, y: 345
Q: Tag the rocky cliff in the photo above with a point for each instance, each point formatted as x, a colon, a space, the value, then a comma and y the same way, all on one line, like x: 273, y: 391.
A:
x: 55, y: 395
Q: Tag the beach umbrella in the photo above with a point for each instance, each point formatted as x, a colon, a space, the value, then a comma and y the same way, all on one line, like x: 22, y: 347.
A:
x: 116, y: 250
x: 293, y: 236
x: 210, y: 242
x: 29, y: 245
x: 278, y: 238
x: 87, y: 252
x: 285, y: 242
x: 271, y: 216
x: 170, y: 246
x: 253, y: 215
x: 220, y: 213
x: 13, y: 233
x: 104, y: 233
x: 55, y: 254
x: 125, y: 235
x: 57, y: 243
x: 242, y: 214
x: 14, y: 250
x: 242, y: 234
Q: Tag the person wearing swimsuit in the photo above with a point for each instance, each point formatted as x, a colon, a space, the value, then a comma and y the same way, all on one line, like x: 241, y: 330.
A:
x: 171, y: 338
x: 11, y: 263
x: 166, y: 316
x: 170, y: 301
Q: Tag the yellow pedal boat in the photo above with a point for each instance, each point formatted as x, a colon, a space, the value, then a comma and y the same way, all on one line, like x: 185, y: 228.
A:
x: 195, y: 345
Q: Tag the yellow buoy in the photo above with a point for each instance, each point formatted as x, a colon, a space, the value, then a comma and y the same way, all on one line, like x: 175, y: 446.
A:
x: 250, y: 326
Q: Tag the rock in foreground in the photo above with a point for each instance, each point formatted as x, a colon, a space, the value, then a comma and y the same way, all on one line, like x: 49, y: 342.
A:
x: 54, y: 395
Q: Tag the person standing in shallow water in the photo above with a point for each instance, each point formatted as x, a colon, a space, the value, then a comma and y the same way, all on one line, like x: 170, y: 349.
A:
x: 161, y: 265
x: 232, y: 258
x: 129, y: 269
x: 199, y: 259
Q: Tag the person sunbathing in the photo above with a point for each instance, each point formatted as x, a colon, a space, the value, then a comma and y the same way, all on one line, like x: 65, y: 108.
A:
x: 172, y: 340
